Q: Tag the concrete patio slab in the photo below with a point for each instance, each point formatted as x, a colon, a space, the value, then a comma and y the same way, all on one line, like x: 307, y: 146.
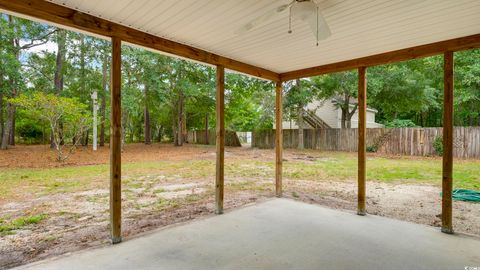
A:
x: 283, y: 234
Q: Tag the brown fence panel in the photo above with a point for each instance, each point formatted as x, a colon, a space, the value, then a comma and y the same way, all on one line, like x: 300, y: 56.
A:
x: 198, y: 137
x: 392, y: 141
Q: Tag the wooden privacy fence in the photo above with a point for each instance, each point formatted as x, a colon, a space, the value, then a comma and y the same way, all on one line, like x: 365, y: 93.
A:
x: 198, y: 137
x: 397, y: 141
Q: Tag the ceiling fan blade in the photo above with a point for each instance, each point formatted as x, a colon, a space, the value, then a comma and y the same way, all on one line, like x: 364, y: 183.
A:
x: 323, y: 28
x: 262, y: 19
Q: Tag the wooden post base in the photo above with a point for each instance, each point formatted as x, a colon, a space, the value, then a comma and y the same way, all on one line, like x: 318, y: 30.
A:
x: 447, y: 230
x: 116, y: 240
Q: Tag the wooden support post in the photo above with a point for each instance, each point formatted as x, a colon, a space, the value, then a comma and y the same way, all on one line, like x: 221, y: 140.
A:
x: 447, y: 166
x: 362, y: 130
x: 115, y: 144
x: 220, y: 140
x: 278, y: 139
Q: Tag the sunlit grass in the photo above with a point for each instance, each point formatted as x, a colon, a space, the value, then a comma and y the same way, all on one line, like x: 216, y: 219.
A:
x: 321, y: 167
x: 8, y: 227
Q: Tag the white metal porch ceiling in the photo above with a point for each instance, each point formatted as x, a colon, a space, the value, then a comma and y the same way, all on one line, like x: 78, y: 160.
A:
x: 359, y: 27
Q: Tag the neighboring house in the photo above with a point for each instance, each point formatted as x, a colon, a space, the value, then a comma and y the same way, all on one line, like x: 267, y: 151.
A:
x: 326, y: 114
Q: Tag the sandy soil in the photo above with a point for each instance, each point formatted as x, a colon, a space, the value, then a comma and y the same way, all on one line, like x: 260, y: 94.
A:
x: 80, y: 220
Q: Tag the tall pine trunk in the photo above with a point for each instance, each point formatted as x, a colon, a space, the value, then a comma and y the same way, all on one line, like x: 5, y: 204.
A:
x: 147, y: 127
x: 180, y: 112
x: 58, y: 76
x: 8, y: 137
x: 103, y: 102
x: 83, y: 78
x: 300, y: 119
x: 206, y: 128
x: 184, y: 127
x: 11, y: 135
x: 8, y: 126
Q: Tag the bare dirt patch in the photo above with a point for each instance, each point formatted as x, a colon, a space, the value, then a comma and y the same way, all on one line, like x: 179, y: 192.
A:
x: 40, y: 156
x: 78, y: 219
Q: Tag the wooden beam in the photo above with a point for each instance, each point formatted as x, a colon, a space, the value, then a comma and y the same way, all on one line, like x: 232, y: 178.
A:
x: 116, y: 144
x: 362, y: 141
x: 61, y: 15
x: 220, y: 139
x: 278, y: 139
x: 447, y: 164
x: 457, y: 44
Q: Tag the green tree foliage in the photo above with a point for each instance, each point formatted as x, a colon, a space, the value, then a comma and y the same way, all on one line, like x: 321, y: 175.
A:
x: 163, y: 97
x: 400, y: 123
x: 16, y: 36
x: 405, y: 89
x: 250, y: 103
x: 342, y: 87
x: 55, y: 110
x: 467, y: 88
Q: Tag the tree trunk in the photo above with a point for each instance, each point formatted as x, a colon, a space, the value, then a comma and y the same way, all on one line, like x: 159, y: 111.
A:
x: 83, y: 82
x: 8, y: 126
x: 300, y: 119
x: 300, y: 128
x: 132, y: 135
x: 349, y: 122
x: 9, y: 133
x: 147, y: 131
x: 344, y: 118
x: 159, y: 134
x: 184, y: 128
x: 58, y: 77
x: 11, y: 137
x: 10, y: 107
x: 174, y: 130
x: 60, y: 132
x: 103, y: 103
x: 124, y: 129
x: 179, y: 141
x: 85, y: 138
x: 2, y: 120
x: 350, y: 115
x: 206, y: 128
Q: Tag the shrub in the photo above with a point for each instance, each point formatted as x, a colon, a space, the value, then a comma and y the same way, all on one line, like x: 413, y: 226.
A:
x: 438, y: 145
x: 372, y: 148
x: 29, y: 129
x: 400, y: 123
x: 67, y: 117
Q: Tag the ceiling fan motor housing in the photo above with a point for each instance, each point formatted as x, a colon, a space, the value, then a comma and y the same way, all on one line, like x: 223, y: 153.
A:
x: 303, y: 9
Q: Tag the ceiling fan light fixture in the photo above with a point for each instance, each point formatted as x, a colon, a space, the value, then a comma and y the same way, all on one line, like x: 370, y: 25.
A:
x: 304, y: 10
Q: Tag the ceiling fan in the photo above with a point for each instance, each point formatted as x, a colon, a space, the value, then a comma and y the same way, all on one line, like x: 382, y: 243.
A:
x: 307, y: 11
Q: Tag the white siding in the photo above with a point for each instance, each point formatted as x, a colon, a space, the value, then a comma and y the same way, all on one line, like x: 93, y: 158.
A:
x: 326, y: 110
x: 370, y: 120
x: 331, y: 115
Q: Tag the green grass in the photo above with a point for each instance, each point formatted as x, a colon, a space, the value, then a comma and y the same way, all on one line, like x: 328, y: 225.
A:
x: 19, y: 223
x: 20, y: 183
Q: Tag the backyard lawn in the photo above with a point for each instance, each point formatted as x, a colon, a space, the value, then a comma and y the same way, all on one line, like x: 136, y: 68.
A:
x: 48, y: 208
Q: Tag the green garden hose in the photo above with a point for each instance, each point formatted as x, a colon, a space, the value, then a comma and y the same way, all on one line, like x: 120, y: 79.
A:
x: 466, y: 195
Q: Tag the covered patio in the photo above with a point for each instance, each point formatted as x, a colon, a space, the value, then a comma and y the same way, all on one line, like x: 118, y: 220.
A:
x: 283, y: 234
x: 279, y: 233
